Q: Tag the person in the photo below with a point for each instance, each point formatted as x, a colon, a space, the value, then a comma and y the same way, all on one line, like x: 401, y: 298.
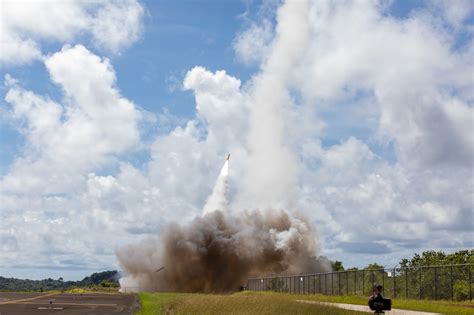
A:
x: 376, y: 299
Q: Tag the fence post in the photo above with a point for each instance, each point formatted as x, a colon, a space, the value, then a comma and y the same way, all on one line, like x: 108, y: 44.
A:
x: 326, y: 283
x: 406, y: 282
x: 339, y: 284
x: 320, y: 291
x: 355, y: 282
x: 347, y: 282
x: 332, y: 283
x: 295, y: 279
x: 299, y: 284
x: 436, y: 282
x: 300, y: 281
x: 309, y: 284
x: 383, y: 281
x: 470, y: 282
x: 363, y: 281
x: 373, y: 278
x: 394, y: 275
x: 421, y: 271
x: 451, y: 283
x: 306, y: 284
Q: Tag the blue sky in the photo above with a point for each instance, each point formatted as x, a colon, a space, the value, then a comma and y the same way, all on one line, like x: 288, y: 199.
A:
x: 380, y: 122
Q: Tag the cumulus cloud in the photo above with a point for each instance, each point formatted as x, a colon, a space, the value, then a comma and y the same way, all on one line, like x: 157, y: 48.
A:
x: 90, y: 127
x: 113, y: 25
x: 93, y: 124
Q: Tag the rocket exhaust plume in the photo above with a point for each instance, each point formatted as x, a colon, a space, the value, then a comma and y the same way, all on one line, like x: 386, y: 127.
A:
x: 217, y: 200
x: 217, y: 252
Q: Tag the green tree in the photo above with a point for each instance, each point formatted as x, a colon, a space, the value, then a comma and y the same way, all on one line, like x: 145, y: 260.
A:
x: 374, y: 266
x: 440, y: 282
x: 337, y: 266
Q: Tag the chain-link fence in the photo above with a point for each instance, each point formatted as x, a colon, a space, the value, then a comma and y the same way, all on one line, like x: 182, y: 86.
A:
x: 426, y: 282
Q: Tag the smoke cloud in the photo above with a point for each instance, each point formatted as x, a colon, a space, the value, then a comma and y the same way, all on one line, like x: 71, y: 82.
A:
x: 218, y: 252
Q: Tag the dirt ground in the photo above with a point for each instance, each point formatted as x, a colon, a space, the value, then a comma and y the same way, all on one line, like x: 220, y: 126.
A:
x: 67, y: 304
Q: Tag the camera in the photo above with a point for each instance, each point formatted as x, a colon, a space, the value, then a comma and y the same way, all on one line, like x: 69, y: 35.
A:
x: 380, y: 304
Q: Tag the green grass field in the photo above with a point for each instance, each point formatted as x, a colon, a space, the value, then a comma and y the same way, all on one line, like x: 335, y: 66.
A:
x: 238, y: 303
x: 275, y: 303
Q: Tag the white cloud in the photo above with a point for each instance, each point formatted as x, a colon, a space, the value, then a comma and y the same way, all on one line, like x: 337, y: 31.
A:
x: 17, y: 51
x: 56, y: 209
x: 64, y: 140
x: 254, y: 43
x: 117, y: 24
x: 25, y: 25
x: 454, y: 13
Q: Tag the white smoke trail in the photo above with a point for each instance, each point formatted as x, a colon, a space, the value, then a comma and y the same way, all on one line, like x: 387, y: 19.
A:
x: 270, y: 175
x: 218, y: 200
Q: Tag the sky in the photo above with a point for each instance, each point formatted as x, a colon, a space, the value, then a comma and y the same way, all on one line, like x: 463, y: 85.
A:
x: 116, y: 117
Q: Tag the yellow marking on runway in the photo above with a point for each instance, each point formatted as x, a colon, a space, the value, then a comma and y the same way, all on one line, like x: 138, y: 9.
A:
x: 28, y: 299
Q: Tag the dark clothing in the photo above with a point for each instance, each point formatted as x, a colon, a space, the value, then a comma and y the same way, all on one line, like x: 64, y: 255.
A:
x: 376, y: 297
x: 379, y: 304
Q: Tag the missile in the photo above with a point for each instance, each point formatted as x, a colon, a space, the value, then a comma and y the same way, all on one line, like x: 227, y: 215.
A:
x: 228, y: 157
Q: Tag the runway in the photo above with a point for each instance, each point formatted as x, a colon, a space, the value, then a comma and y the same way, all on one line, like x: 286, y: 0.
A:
x: 67, y: 304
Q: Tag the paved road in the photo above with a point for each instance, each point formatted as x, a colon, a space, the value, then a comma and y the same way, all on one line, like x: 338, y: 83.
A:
x: 363, y: 308
x: 67, y: 304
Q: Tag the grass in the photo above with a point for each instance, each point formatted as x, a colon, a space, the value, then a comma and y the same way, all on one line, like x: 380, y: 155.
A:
x: 157, y: 303
x: 277, y: 303
x: 239, y: 303
x: 88, y: 290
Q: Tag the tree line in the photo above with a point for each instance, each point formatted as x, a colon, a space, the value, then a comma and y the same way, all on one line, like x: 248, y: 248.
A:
x: 108, y: 279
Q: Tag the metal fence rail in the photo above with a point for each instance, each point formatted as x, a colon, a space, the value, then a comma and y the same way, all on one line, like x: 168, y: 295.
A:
x: 452, y: 282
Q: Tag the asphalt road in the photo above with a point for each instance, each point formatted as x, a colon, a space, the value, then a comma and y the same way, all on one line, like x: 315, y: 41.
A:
x: 67, y: 304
